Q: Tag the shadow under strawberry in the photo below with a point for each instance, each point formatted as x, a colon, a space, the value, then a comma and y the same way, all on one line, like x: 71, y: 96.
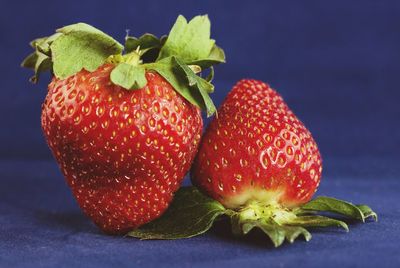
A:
x: 71, y: 221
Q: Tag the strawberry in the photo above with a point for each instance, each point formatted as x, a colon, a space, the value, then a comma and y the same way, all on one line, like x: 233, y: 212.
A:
x: 124, y: 128
x: 123, y: 153
x: 257, y: 150
x: 261, y: 166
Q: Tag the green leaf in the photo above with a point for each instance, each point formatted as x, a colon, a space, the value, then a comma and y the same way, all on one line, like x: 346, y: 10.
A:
x: 190, y: 214
x: 185, y: 81
x: 175, y: 57
x: 43, y: 44
x: 200, y: 84
x: 210, y: 75
x: 30, y: 61
x: 333, y: 205
x: 216, y: 56
x: 146, y: 41
x: 293, y: 232
x: 39, y: 62
x: 149, y: 46
x: 368, y: 212
x: 34, y: 43
x: 317, y: 221
x: 275, y: 232
x: 81, y: 46
x: 189, y: 41
x: 168, y: 69
x: 129, y: 76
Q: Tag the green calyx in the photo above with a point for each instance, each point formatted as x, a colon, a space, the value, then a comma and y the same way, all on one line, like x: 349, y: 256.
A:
x: 181, y: 57
x: 191, y: 213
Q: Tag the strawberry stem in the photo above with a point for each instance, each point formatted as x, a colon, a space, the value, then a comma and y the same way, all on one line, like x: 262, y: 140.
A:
x: 132, y: 58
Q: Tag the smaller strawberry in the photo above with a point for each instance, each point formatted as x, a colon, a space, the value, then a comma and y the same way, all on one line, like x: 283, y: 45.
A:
x: 257, y: 151
x: 260, y: 166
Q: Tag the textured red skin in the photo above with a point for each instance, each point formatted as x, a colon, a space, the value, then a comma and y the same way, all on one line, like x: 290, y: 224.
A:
x: 123, y: 152
x: 257, y: 137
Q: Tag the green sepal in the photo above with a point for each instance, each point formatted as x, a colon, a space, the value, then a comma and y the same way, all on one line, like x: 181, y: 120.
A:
x: 30, y: 61
x: 333, y: 205
x: 192, y: 87
x: 71, y: 49
x: 216, y: 56
x: 146, y: 41
x: 293, y: 232
x: 129, y: 76
x: 368, y: 212
x: 317, y: 221
x: 39, y: 62
x: 210, y: 75
x: 273, y: 230
x: 148, y: 44
x: 81, y: 46
x: 43, y: 44
x: 190, y: 41
x: 178, y: 57
x: 201, y: 85
x: 190, y: 214
x: 276, y: 232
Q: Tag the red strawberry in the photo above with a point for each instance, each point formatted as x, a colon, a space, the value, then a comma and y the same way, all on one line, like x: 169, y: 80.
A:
x: 257, y: 150
x: 262, y: 165
x: 123, y: 153
x: 125, y: 132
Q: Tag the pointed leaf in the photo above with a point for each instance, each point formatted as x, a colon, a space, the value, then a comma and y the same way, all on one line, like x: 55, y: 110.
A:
x: 293, y: 232
x: 200, y: 84
x: 81, y: 46
x: 236, y: 225
x: 210, y: 75
x: 368, y: 212
x: 185, y: 81
x: 275, y: 232
x: 146, y: 41
x: 149, y: 46
x: 39, y: 62
x: 188, y: 41
x: 168, y: 69
x: 317, y: 221
x: 43, y: 44
x: 37, y: 41
x: 128, y: 76
x: 217, y: 56
x: 329, y: 204
x: 191, y: 213
x: 30, y: 61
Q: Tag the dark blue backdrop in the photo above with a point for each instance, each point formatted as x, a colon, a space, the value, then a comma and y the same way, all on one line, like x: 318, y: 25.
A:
x: 335, y: 62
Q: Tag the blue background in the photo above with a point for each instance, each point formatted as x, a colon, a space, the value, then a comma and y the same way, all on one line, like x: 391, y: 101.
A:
x: 335, y: 62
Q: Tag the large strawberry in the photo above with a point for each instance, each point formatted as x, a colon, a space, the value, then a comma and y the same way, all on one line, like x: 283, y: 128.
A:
x: 262, y: 166
x: 124, y: 128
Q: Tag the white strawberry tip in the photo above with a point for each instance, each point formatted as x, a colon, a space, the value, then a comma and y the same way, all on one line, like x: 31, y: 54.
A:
x: 273, y: 211
x: 251, y: 195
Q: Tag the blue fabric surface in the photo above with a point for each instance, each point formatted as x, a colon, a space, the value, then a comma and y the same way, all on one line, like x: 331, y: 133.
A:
x: 337, y: 65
